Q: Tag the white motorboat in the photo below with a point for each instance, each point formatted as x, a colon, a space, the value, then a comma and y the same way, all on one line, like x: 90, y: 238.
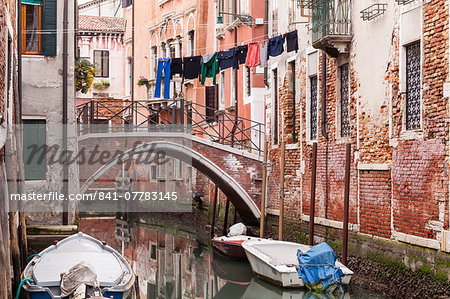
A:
x: 113, y: 275
x: 276, y: 262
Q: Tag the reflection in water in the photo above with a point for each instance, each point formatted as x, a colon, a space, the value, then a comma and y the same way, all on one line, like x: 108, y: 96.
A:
x: 171, y: 263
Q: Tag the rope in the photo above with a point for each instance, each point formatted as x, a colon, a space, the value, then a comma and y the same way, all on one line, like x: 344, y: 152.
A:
x: 20, y: 286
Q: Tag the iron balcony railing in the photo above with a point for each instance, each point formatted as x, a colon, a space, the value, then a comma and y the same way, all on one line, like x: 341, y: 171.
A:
x: 105, y: 116
x: 331, y: 18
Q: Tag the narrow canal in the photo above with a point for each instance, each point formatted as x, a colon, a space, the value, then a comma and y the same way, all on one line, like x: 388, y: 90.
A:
x: 176, y: 261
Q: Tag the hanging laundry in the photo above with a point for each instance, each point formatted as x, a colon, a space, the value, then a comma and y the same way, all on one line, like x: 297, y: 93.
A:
x: 275, y: 46
x: 263, y: 54
x: 227, y: 59
x: 253, y: 58
x: 163, y: 66
x: 209, y: 68
x: 241, y: 54
x: 291, y: 41
x: 176, y: 67
x: 191, y: 67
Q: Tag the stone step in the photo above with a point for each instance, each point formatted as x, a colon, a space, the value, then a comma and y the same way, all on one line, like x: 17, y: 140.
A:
x: 65, y: 230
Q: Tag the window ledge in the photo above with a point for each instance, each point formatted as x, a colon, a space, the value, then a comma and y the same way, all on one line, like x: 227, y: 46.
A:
x: 311, y: 142
x: 343, y: 140
x: 411, y: 135
x: 292, y: 146
x: 33, y: 57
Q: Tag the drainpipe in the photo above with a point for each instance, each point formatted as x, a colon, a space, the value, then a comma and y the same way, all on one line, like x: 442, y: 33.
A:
x: 65, y: 101
x: 19, y: 58
x: 266, y: 32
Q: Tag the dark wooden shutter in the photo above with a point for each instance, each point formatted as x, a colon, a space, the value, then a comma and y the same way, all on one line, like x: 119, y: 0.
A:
x: 49, y: 17
x: 34, y: 136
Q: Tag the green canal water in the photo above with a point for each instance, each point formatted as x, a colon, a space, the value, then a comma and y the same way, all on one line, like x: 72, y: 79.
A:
x: 171, y: 262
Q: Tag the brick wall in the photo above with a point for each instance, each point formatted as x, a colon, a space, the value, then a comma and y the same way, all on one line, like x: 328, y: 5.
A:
x: 402, y: 185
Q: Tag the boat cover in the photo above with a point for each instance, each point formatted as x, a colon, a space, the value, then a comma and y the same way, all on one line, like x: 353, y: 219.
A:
x: 78, y: 275
x: 317, y: 268
x: 237, y: 229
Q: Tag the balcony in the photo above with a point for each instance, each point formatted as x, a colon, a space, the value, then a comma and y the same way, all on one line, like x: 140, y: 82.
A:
x: 332, y: 26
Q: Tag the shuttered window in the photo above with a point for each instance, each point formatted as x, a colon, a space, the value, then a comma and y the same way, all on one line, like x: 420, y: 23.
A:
x: 39, y: 27
x: 34, y: 149
x: 212, y: 103
x: 101, y: 62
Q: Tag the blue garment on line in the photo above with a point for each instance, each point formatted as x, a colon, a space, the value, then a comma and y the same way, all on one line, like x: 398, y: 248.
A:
x: 318, y: 266
x: 163, y: 66
x: 275, y: 46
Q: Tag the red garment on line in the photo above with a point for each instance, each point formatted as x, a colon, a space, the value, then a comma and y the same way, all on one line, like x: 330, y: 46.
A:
x: 252, y: 55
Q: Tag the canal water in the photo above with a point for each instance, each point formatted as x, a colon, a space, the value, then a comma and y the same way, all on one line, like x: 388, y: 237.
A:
x: 173, y: 262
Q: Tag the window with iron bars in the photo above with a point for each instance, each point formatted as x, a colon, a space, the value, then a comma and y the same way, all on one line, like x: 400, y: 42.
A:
x: 413, y: 86
x: 345, y: 101
x: 313, y: 107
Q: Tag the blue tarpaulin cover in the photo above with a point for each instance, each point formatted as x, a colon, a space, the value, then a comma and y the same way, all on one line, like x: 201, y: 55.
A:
x: 317, y: 267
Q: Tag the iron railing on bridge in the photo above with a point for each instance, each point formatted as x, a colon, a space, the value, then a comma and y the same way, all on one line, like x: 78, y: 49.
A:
x: 105, y: 116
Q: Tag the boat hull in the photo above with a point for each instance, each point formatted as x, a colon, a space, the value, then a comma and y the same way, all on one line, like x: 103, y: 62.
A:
x: 282, y: 273
x: 231, y: 247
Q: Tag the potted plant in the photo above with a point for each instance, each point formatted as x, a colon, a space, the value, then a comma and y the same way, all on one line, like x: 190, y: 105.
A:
x: 84, y: 75
x: 106, y: 83
x: 142, y: 81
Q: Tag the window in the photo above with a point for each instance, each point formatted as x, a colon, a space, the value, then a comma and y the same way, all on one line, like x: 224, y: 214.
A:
x: 243, y: 6
x: 128, y: 78
x: 31, y: 26
x: 34, y: 149
x: 313, y: 107
x: 211, y: 99
x: 191, y: 40
x: 345, y: 101
x: 413, y: 86
x: 172, y: 51
x: 275, y: 107
x: 233, y: 87
x: 292, y: 91
x: 101, y: 62
x: 222, y: 91
x: 248, y: 85
x: 274, y: 17
x: 154, y: 61
x: 153, y: 172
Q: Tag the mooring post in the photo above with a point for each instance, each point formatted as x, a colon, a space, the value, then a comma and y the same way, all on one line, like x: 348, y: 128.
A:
x: 213, y: 222
x: 346, y: 203
x: 312, y: 203
x: 263, y: 193
x: 281, y: 219
x: 225, y: 221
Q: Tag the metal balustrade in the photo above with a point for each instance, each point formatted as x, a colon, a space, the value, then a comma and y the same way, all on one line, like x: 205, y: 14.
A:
x: 105, y: 116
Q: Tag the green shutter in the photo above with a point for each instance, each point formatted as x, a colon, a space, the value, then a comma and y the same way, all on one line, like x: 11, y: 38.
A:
x: 49, y: 27
x: 34, y: 135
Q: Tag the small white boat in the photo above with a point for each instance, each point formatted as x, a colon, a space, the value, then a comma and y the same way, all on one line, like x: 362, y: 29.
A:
x: 113, y: 274
x: 276, y: 262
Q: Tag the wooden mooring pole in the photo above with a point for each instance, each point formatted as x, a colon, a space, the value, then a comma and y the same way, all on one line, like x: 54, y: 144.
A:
x: 312, y: 203
x: 281, y: 219
x: 346, y: 203
x: 263, y: 193
x: 225, y: 221
x: 213, y: 222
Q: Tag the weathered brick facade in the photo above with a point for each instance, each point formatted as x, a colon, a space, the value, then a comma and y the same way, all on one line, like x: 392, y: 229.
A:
x: 399, y: 177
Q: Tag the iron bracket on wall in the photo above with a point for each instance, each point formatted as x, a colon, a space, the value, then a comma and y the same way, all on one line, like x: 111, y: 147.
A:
x: 404, y: 2
x: 373, y: 11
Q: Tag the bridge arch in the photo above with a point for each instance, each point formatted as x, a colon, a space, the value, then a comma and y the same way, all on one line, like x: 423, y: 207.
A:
x: 241, y: 200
